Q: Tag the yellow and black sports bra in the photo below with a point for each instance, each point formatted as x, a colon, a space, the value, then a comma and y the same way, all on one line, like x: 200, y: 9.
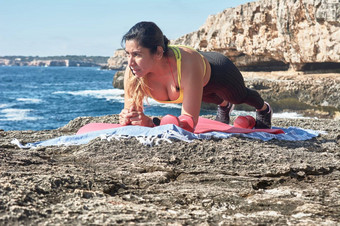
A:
x: 177, y: 52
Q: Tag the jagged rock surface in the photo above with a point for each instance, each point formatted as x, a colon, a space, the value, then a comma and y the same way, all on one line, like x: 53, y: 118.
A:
x: 234, y: 181
x: 311, y: 89
x: 118, y: 61
x: 271, y: 34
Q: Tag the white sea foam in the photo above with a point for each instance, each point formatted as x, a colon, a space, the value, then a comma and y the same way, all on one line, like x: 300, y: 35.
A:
x: 30, y: 100
x: 5, y: 105
x: 108, y: 94
x: 289, y: 115
x: 13, y: 114
x: 114, y: 94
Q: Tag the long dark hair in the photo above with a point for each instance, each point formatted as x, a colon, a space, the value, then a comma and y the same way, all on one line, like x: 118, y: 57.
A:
x: 148, y: 35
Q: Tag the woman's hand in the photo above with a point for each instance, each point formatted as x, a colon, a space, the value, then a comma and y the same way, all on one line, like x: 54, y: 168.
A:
x: 138, y: 118
x: 124, y: 118
x: 134, y: 117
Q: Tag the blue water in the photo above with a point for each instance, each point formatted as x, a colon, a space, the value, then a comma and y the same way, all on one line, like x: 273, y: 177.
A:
x: 40, y: 98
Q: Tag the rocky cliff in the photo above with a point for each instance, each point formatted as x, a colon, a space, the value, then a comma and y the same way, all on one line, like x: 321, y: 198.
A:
x: 274, y: 35
x: 309, y: 93
x: 118, y: 61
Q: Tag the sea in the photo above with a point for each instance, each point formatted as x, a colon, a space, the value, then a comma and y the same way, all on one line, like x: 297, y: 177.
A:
x: 45, y: 98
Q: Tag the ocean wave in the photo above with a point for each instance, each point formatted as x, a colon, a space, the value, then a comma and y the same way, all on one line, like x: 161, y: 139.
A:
x: 13, y: 114
x: 108, y: 94
x: 116, y: 95
x: 30, y: 100
x: 5, y: 105
x: 289, y: 115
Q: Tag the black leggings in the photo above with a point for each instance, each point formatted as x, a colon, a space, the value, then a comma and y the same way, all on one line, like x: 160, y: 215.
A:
x: 226, y: 83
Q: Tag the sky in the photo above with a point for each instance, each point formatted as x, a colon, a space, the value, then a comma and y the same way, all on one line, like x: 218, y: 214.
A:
x: 94, y: 27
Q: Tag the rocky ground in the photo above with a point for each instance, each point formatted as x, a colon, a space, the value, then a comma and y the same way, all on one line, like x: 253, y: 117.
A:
x: 309, y: 92
x: 235, y: 181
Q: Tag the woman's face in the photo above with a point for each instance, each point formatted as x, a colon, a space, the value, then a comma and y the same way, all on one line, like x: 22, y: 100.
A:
x: 140, y: 60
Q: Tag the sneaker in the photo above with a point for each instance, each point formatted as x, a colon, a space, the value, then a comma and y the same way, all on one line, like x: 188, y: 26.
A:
x: 223, y: 113
x: 264, y: 118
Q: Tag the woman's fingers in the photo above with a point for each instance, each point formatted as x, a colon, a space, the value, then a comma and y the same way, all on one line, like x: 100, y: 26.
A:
x: 136, y: 123
x: 124, y: 119
x: 135, y: 117
x: 132, y: 117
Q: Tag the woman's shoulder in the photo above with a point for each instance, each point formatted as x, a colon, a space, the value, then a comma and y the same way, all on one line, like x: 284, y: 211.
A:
x: 186, y: 52
x: 184, y: 48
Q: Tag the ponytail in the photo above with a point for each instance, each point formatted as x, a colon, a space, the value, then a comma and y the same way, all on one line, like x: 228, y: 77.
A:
x: 166, y: 44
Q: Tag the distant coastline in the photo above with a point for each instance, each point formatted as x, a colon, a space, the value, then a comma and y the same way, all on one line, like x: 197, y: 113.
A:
x: 54, y: 61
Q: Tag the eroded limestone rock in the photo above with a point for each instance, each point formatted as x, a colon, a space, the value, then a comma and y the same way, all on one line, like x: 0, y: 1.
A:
x: 270, y: 34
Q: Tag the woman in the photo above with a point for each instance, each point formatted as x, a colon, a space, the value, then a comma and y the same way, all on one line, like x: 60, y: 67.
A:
x: 179, y: 74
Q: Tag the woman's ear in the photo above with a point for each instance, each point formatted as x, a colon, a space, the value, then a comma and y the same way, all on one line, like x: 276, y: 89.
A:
x: 159, y: 53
